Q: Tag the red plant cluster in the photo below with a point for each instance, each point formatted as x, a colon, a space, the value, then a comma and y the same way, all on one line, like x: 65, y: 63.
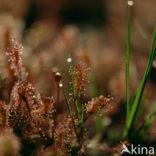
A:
x: 30, y: 114
x: 80, y: 76
x: 68, y: 135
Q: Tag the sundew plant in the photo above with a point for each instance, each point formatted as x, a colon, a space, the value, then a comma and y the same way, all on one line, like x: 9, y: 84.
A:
x: 55, y: 99
x: 29, y: 114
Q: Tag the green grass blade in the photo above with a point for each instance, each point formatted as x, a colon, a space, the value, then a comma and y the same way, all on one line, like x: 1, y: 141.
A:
x: 73, y: 87
x: 147, y: 122
x: 81, y: 122
x: 81, y: 109
x: 128, y: 61
x: 67, y: 101
x: 138, y: 97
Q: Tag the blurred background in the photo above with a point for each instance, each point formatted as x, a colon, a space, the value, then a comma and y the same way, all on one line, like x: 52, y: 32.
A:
x: 106, y: 15
x: 92, y: 32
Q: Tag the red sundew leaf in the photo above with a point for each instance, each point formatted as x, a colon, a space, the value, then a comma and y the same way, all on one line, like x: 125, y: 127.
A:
x: 31, y: 113
x: 81, y: 75
x: 97, y: 103
x: 14, y: 52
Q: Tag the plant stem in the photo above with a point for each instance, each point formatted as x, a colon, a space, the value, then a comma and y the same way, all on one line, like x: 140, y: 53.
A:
x: 73, y: 88
x: 139, y: 94
x: 58, y: 95
x: 127, y: 62
x: 145, y: 125
x: 68, y: 105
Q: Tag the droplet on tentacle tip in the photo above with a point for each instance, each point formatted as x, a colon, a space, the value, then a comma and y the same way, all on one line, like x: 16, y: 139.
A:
x: 69, y: 60
x: 154, y: 63
x: 60, y: 85
x: 130, y: 2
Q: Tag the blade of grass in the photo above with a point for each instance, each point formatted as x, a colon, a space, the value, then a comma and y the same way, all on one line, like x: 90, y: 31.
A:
x: 81, y: 122
x: 73, y: 87
x: 67, y: 101
x: 138, y: 97
x: 71, y: 114
x: 128, y: 61
x: 81, y: 109
x: 147, y: 122
x: 81, y: 115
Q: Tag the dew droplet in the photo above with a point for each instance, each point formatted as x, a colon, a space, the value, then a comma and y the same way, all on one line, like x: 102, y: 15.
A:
x: 60, y: 84
x: 69, y: 60
x: 130, y: 2
x: 154, y: 63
